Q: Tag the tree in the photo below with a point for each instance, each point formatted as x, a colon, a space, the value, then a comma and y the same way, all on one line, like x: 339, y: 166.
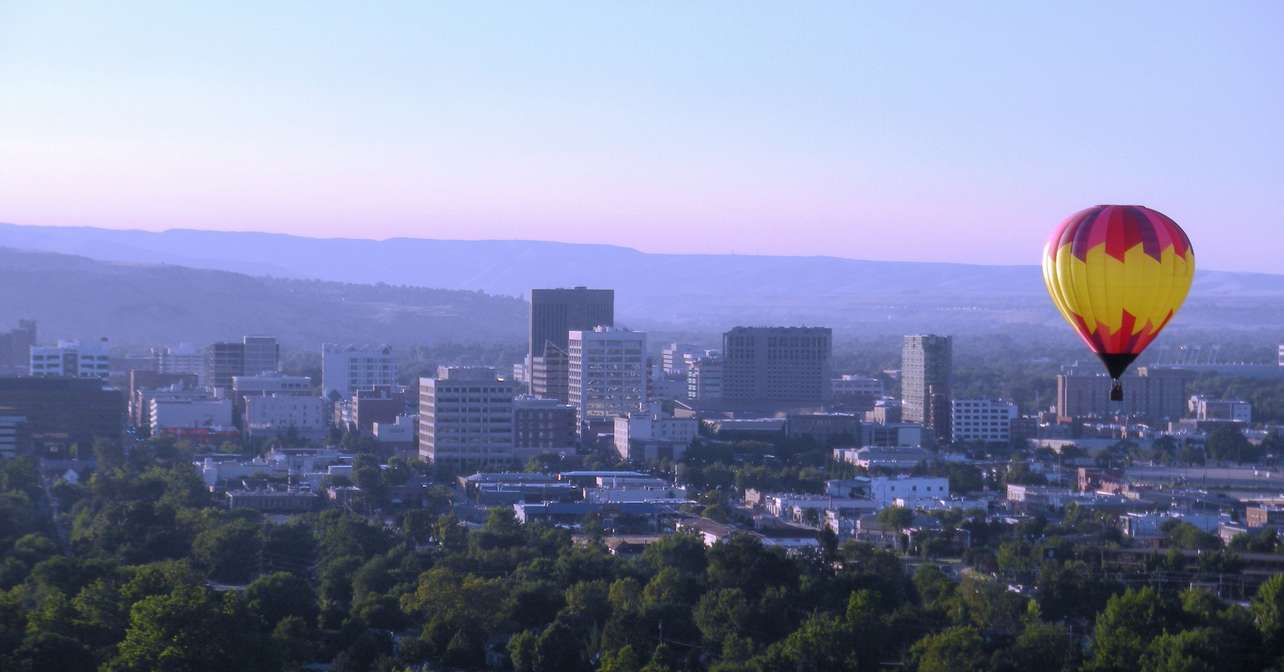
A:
x: 232, y: 552
x: 276, y: 596
x: 558, y: 650
x: 820, y: 643
x: 1185, y: 651
x: 191, y: 629
x: 896, y: 517
x: 625, y: 659
x: 1127, y: 625
x: 1228, y: 444
x: 1040, y: 646
x: 956, y: 649
x: 1268, y: 613
x: 721, y: 613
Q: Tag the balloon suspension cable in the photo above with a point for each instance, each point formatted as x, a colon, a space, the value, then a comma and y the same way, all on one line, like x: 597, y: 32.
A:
x: 1117, y: 392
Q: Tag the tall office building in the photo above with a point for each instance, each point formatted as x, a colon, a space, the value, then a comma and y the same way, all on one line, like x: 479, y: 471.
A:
x: 63, y: 412
x: 254, y: 355
x: 262, y: 355
x: 607, y: 373
x: 777, y: 365
x: 554, y: 314
x: 347, y: 369
x: 542, y: 426
x: 466, y: 418
x: 15, y: 348
x: 1150, y: 392
x: 704, y: 376
x: 71, y: 359
x: 927, y: 372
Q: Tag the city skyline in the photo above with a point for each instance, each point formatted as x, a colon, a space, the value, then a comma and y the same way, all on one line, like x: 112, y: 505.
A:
x: 900, y: 133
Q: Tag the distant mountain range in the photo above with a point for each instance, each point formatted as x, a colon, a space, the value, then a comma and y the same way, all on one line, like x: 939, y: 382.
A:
x: 72, y: 296
x: 677, y: 292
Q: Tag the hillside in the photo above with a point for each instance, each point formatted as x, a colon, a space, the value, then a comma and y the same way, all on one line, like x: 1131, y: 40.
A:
x: 137, y: 303
x: 659, y: 292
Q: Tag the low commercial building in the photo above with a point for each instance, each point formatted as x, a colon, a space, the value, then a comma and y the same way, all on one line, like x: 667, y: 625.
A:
x: 304, y: 417
x: 1262, y: 515
x: 886, y: 459
x: 71, y: 359
x: 181, y: 413
x: 886, y: 490
x: 982, y: 420
x: 823, y: 427
x: 1226, y: 410
x: 653, y: 435
x: 623, y: 517
x: 273, y: 501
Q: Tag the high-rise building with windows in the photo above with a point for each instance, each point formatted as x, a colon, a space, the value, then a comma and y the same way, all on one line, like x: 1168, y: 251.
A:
x: 262, y: 355
x: 15, y: 349
x: 777, y: 365
x: 982, y: 420
x: 927, y: 373
x: 554, y: 314
x: 607, y: 373
x: 466, y: 418
x: 253, y: 356
x: 60, y: 413
x: 704, y: 376
x: 346, y: 369
x: 1150, y: 392
x: 542, y: 426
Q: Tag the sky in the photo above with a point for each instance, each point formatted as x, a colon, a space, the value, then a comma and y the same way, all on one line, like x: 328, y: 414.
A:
x: 934, y: 131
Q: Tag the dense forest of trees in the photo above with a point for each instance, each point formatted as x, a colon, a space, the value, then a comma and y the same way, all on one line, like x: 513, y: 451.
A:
x: 140, y: 570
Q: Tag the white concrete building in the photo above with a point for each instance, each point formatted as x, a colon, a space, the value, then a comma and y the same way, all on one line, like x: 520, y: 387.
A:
x: 874, y: 457
x: 647, y: 436
x: 607, y: 373
x: 71, y: 359
x: 850, y: 385
x: 348, y: 368
x: 886, y: 490
x: 265, y: 384
x: 982, y: 420
x: 400, y: 431
x: 675, y: 357
x: 179, y: 412
x: 1233, y: 410
x: 183, y: 358
x: 466, y: 418
x: 278, y: 415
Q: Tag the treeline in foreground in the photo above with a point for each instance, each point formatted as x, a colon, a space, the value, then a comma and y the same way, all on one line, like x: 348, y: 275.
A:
x: 132, y: 572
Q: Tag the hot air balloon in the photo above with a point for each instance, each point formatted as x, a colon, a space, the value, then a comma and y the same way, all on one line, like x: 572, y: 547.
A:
x: 1118, y: 273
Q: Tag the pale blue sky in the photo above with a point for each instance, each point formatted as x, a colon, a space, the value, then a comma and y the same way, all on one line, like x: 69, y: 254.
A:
x: 925, y: 131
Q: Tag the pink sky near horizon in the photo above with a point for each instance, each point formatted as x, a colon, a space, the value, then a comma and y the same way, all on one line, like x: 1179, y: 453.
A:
x: 918, y: 133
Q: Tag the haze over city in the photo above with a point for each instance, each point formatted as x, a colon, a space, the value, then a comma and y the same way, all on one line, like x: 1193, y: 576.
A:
x: 695, y: 336
x: 912, y: 131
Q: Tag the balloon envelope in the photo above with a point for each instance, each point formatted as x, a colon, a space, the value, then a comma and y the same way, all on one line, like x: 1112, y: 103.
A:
x: 1118, y: 273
